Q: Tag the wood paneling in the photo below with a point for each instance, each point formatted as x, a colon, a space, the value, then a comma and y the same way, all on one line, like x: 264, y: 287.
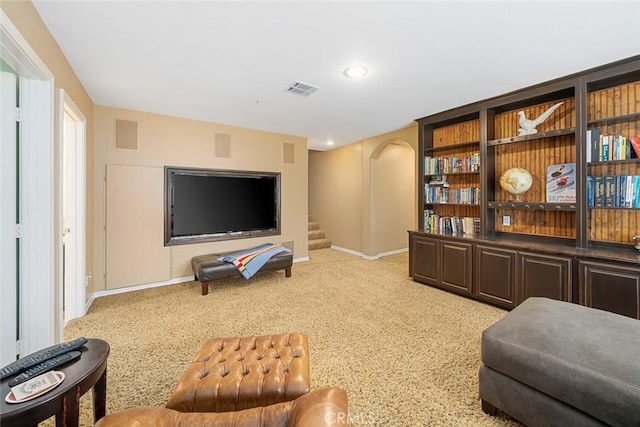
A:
x: 535, y: 156
x: 610, y: 109
x: 458, y: 133
x: 506, y: 123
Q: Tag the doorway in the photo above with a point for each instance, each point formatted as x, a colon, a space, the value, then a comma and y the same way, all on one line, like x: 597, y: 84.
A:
x: 73, y: 217
x: 8, y: 215
x: 35, y: 203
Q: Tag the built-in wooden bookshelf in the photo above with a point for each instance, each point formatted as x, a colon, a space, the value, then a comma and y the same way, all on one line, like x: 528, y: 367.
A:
x: 538, y: 245
x: 613, y: 108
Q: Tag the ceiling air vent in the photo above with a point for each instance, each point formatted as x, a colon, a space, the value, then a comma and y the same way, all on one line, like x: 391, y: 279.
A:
x: 302, y: 89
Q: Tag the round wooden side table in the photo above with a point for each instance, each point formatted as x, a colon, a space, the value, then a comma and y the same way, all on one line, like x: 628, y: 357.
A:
x: 90, y: 370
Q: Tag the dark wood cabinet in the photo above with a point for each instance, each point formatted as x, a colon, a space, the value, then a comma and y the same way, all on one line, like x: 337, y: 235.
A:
x: 610, y: 287
x: 456, y: 265
x: 496, y: 275
x: 570, y: 240
x: 543, y: 276
x: 423, y: 262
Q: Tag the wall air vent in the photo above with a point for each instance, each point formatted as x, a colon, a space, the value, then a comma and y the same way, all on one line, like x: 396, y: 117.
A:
x: 302, y: 89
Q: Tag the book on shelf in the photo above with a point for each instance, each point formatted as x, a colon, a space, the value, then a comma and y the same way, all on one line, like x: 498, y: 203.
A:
x: 590, y: 191
x: 561, y: 183
x: 434, y: 223
x: 595, y: 144
x: 609, y: 191
x: 444, y: 194
x: 605, y: 148
x: 448, y: 165
x: 598, y: 189
x: 614, y: 191
x: 438, y: 181
x: 635, y: 144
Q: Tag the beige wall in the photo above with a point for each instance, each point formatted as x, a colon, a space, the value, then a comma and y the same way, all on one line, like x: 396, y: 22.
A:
x: 335, y: 194
x: 28, y: 22
x: 393, y: 209
x: 172, y: 141
x: 354, y: 190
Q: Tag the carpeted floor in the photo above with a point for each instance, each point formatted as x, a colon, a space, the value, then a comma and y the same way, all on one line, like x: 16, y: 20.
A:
x: 407, y: 354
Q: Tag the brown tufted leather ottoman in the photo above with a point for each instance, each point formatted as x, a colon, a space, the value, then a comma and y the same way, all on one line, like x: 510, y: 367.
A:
x: 230, y: 374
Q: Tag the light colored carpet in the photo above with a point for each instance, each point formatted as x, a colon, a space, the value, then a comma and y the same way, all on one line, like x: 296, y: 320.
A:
x: 407, y: 354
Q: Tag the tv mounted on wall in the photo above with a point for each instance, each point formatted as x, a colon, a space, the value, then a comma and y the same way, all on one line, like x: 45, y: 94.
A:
x: 204, y: 205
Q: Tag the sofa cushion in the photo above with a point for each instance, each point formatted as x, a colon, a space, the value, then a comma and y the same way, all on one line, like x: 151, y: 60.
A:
x: 230, y: 374
x: 585, y: 357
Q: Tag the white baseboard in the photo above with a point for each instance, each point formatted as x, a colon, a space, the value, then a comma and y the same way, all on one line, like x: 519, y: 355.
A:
x: 369, y: 257
x: 100, y: 294
x: 141, y: 287
x: 349, y: 251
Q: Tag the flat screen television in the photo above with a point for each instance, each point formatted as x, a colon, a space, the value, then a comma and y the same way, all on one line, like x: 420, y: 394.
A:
x: 208, y: 204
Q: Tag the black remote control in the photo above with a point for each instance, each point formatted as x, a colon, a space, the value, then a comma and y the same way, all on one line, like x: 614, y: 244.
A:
x: 45, y: 366
x: 33, y: 359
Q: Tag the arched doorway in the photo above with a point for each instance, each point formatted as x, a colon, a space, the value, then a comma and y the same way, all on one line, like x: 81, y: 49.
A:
x: 392, y: 197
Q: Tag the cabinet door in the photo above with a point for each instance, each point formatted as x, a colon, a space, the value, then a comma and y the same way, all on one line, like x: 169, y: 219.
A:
x: 456, y: 262
x: 495, y: 275
x: 611, y: 287
x: 543, y: 276
x: 424, y: 259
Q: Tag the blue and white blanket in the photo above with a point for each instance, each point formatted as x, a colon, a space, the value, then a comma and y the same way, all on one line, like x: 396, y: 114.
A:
x: 249, y: 261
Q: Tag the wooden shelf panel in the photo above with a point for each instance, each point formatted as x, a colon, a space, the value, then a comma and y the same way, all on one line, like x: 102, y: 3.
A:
x: 614, y: 162
x: 532, y: 206
x: 535, y: 136
x: 613, y: 225
x: 457, y: 173
x: 615, y: 110
x: 614, y: 119
x: 452, y: 147
x: 534, y: 156
x: 452, y: 204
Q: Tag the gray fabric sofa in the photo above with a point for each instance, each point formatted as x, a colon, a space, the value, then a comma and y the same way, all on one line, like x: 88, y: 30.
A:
x: 553, y: 363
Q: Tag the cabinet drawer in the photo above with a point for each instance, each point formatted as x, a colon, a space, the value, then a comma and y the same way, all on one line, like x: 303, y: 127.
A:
x: 543, y: 276
x: 456, y: 262
x: 423, y: 263
x: 611, y: 287
x: 495, y: 275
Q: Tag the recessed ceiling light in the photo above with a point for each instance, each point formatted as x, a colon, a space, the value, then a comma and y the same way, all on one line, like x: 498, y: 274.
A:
x: 356, y: 71
x: 329, y: 142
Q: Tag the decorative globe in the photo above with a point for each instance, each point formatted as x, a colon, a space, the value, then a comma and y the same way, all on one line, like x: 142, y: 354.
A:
x: 516, y: 181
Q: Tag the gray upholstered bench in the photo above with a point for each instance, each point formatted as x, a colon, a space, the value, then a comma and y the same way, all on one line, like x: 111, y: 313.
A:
x: 207, y: 268
x: 555, y: 363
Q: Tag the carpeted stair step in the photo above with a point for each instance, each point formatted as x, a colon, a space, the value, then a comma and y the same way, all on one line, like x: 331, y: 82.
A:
x: 314, y: 226
x: 316, y: 234
x: 319, y: 244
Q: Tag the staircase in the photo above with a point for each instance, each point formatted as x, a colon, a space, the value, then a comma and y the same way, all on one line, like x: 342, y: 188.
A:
x: 317, y: 239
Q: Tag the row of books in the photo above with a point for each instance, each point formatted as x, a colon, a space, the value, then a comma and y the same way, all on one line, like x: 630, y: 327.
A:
x: 440, y: 165
x: 434, y: 223
x: 440, y: 194
x: 619, y: 191
x: 603, y: 148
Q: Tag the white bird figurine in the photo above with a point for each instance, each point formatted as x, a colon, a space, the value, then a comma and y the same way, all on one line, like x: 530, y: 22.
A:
x: 528, y: 127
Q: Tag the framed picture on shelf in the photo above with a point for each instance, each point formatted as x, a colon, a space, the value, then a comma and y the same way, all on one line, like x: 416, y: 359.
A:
x: 561, y: 183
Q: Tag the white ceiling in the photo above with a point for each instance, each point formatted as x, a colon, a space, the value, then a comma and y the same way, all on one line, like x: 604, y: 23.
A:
x: 230, y: 62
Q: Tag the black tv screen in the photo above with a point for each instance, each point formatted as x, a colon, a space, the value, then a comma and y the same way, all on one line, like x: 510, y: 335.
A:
x: 208, y: 204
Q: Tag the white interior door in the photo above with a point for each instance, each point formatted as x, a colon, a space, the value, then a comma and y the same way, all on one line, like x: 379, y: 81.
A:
x: 73, y: 184
x: 8, y: 242
x: 37, y: 314
x: 68, y: 213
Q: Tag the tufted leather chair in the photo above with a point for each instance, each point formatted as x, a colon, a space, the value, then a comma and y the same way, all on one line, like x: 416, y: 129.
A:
x: 325, y: 407
x: 231, y: 374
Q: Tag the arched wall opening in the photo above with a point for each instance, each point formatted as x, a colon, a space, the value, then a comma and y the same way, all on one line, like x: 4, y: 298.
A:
x: 392, y: 198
